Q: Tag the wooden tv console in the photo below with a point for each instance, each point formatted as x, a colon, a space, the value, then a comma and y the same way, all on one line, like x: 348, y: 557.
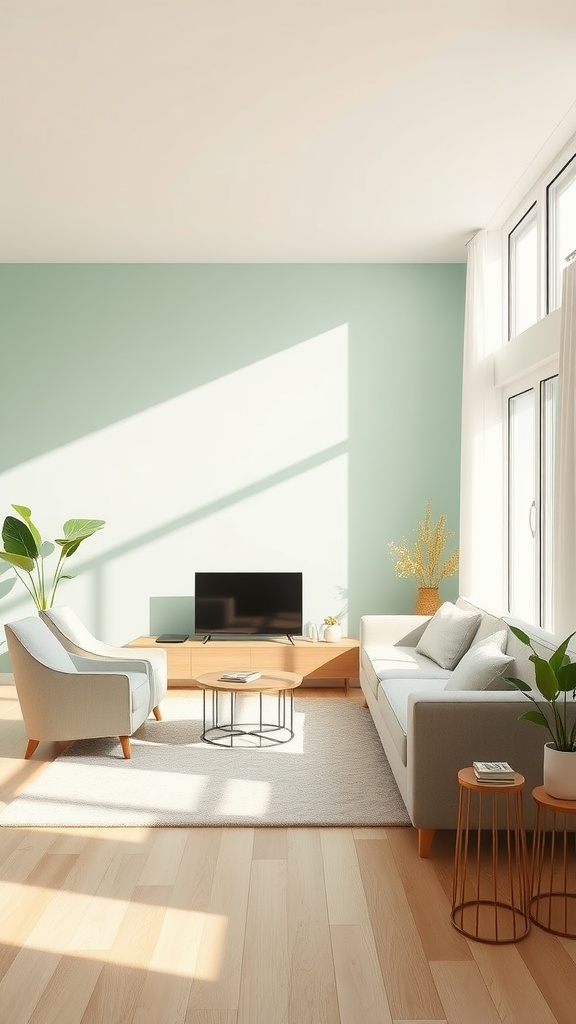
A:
x: 310, y: 659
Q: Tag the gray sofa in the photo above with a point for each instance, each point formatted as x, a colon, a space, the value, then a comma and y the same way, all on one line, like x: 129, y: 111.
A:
x: 429, y: 732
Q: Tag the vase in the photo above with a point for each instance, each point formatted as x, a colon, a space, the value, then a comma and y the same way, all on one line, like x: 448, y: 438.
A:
x: 332, y: 634
x: 428, y: 601
x: 560, y: 772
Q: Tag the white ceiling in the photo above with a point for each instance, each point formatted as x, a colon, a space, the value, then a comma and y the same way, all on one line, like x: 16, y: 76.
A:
x: 274, y: 130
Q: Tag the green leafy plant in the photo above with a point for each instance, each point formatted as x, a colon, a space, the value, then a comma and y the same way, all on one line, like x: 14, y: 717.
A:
x: 555, y: 679
x: 26, y: 552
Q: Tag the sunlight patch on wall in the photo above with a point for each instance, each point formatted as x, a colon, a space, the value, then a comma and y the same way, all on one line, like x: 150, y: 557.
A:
x: 249, y: 471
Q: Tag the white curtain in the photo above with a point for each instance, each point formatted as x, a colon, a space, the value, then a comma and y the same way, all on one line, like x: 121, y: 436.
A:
x: 481, y: 520
x: 564, y: 579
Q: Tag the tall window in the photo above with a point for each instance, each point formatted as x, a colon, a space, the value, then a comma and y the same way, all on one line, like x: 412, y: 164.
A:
x: 561, y: 208
x: 531, y: 454
x: 523, y: 274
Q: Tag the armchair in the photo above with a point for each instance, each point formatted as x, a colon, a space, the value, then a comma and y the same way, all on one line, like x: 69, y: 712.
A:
x: 66, y: 697
x: 74, y: 636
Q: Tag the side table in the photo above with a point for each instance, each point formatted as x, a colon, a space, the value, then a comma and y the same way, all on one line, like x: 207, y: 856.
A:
x: 490, y: 891
x: 553, y: 866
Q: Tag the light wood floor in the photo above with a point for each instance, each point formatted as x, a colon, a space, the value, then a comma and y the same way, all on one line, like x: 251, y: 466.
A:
x: 248, y: 926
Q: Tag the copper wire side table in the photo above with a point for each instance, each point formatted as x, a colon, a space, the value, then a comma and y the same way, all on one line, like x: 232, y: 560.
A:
x: 490, y: 891
x: 553, y: 866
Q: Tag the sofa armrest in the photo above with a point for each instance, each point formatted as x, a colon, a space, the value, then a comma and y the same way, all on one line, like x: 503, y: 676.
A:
x: 387, y: 630
x: 449, y: 730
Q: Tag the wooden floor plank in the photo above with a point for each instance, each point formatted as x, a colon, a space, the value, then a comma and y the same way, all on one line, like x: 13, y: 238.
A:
x: 264, y: 989
x: 68, y: 992
x: 554, y: 972
x: 428, y: 901
x: 219, y: 963
x: 513, y: 990
x: 409, y: 983
x: 312, y: 983
x: 270, y: 844
x: 463, y: 993
x: 361, y: 989
x: 346, y: 902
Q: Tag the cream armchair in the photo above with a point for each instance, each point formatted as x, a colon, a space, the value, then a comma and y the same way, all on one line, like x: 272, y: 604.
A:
x: 74, y: 636
x: 66, y: 697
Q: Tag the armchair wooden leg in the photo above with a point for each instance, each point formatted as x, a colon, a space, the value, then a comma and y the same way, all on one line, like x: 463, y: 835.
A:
x: 125, y: 741
x: 32, y: 744
x: 425, y: 840
x: 157, y: 713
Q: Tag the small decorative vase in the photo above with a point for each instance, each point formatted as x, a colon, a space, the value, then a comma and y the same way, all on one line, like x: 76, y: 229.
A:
x: 560, y: 772
x: 332, y: 634
x: 428, y: 601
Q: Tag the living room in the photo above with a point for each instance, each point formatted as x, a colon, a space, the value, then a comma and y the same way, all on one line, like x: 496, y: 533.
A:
x: 234, y: 267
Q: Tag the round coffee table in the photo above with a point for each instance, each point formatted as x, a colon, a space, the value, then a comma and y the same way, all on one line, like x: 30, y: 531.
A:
x: 222, y: 727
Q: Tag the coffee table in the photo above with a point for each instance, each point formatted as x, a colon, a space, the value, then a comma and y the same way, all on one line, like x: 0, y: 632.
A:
x: 221, y: 728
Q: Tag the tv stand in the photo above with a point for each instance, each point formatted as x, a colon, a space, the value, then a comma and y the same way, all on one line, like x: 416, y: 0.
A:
x: 310, y: 659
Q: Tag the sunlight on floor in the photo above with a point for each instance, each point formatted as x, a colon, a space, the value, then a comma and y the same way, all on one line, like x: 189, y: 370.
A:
x: 190, y: 943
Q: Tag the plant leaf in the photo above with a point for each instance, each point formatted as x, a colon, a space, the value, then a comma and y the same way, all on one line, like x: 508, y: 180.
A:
x: 520, y: 635
x: 46, y: 548
x: 566, y: 676
x: 536, y: 717
x: 18, y: 538
x: 558, y: 656
x: 518, y: 683
x: 546, y: 680
x: 6, y: 586
x: 79, y: 529
x: 20, y: 561
x: 69, y: 548
x: 26, y: 513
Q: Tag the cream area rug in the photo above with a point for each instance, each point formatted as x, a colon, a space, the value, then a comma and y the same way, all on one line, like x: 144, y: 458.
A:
x: 333, y: 772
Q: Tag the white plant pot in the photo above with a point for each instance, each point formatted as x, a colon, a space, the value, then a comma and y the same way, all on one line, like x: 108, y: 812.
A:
x: 560, y: 772
x: 332, y: 634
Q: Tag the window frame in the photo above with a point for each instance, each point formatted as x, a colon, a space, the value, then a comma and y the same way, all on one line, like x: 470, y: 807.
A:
x: 549, y: 258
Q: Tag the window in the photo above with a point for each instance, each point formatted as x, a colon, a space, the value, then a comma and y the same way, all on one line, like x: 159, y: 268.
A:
x: 561, y: 210
x: 523, y: 274
x: 531, y: 454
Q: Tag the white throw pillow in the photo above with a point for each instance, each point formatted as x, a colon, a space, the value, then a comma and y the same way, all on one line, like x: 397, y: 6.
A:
x: 483, y: 666
x: 448, y: 635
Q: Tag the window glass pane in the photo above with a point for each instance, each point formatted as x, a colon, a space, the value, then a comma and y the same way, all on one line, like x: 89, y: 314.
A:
x: 548, y: 407
x: 523, y: 256
x: 561, y: 229
x: 521, y: 508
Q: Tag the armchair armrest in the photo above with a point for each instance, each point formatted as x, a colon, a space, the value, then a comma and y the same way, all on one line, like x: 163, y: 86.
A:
x: 108, y: 665
x: 72, y: 704
x: 388, y: 630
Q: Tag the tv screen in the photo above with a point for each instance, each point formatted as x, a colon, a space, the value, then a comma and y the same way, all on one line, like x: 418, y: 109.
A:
x: 249, y: 603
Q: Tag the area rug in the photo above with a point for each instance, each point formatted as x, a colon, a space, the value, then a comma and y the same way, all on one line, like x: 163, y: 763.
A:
x: 333, y: 772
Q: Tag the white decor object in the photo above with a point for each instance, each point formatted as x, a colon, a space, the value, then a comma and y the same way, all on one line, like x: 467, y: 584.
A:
x: 332, y: 633
x: 482, y: 666
x: 560, y: 772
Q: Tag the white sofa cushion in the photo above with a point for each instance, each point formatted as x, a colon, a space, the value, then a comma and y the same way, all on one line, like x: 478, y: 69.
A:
x: 483, y: 666
x: 390, y: 662
x: 448, y: 635
x: 393, y: 704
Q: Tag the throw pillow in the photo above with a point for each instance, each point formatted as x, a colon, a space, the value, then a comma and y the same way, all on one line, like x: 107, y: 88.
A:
x: 482, y: 667
x: 448, y: 635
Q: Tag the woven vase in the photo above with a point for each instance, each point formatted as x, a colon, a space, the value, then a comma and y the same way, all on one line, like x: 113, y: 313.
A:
x: 428, y: 601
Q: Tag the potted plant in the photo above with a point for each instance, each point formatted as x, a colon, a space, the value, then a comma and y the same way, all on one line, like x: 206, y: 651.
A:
x: 555, y: 679
x: 424, y: 561
x: 332, y: 631
x: 25, y: 551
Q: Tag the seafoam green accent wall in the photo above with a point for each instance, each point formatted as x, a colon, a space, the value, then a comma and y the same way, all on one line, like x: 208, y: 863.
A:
x: 230, y: 416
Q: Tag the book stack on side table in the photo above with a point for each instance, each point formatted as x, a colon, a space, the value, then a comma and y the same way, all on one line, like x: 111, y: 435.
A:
x: 498, y: 773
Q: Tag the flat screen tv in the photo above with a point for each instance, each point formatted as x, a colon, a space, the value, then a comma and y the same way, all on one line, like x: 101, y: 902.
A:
x: 248, y: 603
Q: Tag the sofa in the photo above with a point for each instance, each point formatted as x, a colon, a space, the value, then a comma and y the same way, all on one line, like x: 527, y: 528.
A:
x: 428, y: 728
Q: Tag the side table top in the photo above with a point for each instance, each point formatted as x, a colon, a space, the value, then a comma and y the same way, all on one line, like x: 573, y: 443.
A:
x: 467, y: 778
x: 545, y: 800
x: 268, y: 680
